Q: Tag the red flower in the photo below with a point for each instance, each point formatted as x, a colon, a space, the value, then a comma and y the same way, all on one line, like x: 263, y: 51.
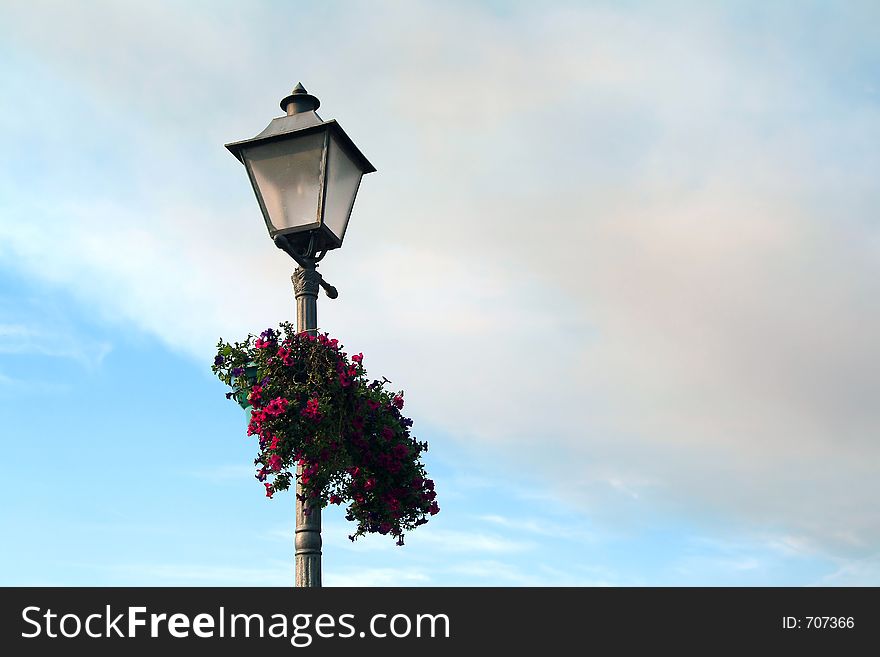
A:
x: 358, y: 358
x: 277, y: 406
x: 274, y: 463
x: 284, y: 355
x: 269, y: 490
x: 397, y: 401
x: 311, y: 410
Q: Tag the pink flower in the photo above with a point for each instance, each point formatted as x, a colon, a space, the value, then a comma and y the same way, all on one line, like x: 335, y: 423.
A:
x: 274, y: 463
x: 358, y: 358
x: 269, y: 490
x: 277, y: 406
x: 275, y: 443
x: 397, y: 401
x: 262, y: 344
x: 284, y: 355
x: 311, y: 409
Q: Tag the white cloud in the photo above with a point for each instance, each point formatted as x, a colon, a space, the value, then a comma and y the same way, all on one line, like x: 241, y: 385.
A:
x: 854, y: 572
x: 632, y: 252
x: 540, y: 527
x: 447, y: 540
x: 476, y: 573
x: 377, y: 577
x: 15, y: 386
x: 196, y: 574
x: 30, y: 340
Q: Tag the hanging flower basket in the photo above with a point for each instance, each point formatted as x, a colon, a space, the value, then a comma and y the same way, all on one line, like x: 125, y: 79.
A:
x: 312, y: 405
x: 241, y: 385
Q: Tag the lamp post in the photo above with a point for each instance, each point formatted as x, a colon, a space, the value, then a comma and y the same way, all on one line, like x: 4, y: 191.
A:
x: 305, y: 173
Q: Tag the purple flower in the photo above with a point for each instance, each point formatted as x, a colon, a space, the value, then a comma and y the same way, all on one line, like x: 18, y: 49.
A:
x: 237, y: 371
x: 218, y: 360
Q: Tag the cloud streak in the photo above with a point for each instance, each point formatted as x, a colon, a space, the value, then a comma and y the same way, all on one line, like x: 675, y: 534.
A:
x: 633, y: 253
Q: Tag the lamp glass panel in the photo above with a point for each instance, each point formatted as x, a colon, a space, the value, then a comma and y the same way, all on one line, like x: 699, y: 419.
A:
x: 287, y: 175
x: 343, y: 178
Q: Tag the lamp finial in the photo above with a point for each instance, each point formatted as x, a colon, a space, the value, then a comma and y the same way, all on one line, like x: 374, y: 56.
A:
x: 299, y: 100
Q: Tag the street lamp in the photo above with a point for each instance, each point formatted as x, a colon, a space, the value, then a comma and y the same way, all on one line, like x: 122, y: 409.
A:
x: 305, y: 173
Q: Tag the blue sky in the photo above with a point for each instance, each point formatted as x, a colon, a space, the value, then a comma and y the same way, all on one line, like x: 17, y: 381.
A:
x: 621, y: 256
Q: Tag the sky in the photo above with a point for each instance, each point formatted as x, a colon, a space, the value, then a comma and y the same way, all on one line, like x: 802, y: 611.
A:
x: 623, y: 257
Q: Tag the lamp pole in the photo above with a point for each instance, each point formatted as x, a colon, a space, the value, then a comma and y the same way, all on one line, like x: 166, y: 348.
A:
x: 308, y: 517
x: 307, y: 537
